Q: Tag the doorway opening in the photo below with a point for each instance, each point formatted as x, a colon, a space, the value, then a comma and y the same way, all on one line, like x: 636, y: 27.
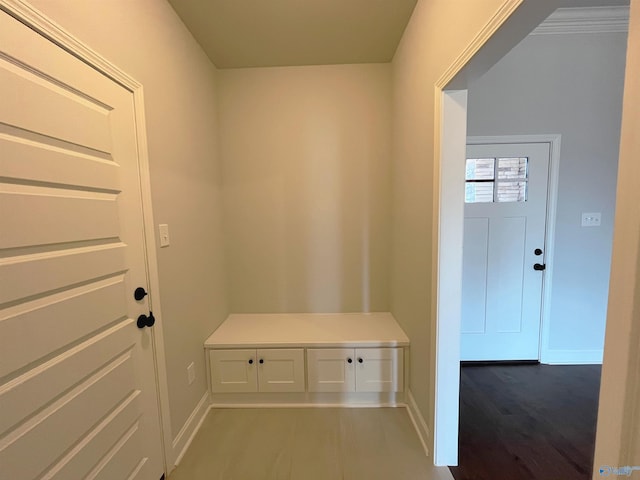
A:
x: 588, y: 187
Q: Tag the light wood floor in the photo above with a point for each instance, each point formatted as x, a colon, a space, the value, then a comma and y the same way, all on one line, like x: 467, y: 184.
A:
x: 307, y: 444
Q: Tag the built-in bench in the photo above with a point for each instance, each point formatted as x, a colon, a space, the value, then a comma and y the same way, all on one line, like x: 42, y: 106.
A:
x: 345, y: 358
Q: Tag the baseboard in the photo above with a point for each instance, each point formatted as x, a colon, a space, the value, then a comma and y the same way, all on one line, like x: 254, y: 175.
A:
x: 309, y: 405
x: 310, y: 399
x: 190, y: 428
x: 418, y: 422
x: 572, y: 357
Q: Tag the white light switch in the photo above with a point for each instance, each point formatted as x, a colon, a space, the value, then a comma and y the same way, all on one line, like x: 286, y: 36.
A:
x: 591, y: 219
x: 191, y: 373
x: 164, y: 234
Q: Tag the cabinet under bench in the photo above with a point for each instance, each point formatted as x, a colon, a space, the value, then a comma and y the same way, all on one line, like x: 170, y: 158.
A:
x: 308, y: 359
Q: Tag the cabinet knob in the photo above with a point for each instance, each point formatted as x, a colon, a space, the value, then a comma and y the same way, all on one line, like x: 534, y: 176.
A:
x: 349, y: 360
x: 251, y: 361
x: 360, y: 360
x: 261, y: 360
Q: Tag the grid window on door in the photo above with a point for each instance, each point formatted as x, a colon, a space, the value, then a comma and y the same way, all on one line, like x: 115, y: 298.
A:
x: 502, y: 179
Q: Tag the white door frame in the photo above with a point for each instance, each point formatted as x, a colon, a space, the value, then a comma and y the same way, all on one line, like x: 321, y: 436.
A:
x: 26, y: 14
x: 550, y: 220
x: 450, y: 156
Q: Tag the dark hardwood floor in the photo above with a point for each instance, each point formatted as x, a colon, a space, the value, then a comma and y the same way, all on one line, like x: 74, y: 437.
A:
x: 522, y: 422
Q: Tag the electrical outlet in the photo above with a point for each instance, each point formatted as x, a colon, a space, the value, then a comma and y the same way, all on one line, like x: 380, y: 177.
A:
x: 191, y: 373
x: 591, y: 219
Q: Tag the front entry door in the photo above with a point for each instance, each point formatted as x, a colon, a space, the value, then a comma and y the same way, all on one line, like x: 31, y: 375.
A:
x: 77, y: 383
x: 503, y: 259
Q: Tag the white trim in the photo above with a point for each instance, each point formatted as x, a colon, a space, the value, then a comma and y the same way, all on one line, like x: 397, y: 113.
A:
x: 308, y: 399
x: 46, y: 27
x: 573, y: 357
x: 190, y: 428
x: 448, y: 299
x: 613, y: 19
x: 422, y: 429
x: 554, y: 141
x: 476, y: 44
x: 308, y: 405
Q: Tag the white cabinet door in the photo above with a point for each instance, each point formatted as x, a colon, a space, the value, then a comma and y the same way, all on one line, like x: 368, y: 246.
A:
x: 379, y: 370
x: 233, y: 371
x: 331, y: 369
x: 281, y: 370
x: 359, y: 370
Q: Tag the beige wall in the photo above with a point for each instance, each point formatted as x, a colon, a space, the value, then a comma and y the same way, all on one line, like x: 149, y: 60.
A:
x: 437, y: 33
x: 147, y: 40
x: 305, y: 154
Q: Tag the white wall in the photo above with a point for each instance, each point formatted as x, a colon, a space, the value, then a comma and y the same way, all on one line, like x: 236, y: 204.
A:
x: 306, y: 162
x: 147, y: 40
x: 570, y: 85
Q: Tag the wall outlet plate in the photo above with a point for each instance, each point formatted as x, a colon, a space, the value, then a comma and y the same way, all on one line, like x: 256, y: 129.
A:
x: 592, y: 219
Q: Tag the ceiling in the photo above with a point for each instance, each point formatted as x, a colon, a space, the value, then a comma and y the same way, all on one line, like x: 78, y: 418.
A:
x: 269, y: 33
x: 261, y: 33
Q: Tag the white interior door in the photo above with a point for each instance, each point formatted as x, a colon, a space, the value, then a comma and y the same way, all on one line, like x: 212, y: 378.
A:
x: 504, y: 226
x: 77, y: 384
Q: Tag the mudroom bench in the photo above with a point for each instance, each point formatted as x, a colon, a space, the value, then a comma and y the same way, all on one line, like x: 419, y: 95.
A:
x: 307, y: 359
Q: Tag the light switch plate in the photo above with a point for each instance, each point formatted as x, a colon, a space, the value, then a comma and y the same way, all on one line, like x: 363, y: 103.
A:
x: 164, y: 234
x: 592, y: 219
x: 191, y: 373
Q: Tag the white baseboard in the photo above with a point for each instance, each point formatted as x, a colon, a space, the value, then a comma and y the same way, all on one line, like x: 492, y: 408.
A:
x: 418, y: 422
x: 572, y: 357
x: 190, y: 428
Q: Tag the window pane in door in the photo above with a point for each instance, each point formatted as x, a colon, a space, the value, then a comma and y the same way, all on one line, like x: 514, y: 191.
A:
x: 480, y: 169
x: 511, y: 192
x: 478, y: 192
x: 512, y: 168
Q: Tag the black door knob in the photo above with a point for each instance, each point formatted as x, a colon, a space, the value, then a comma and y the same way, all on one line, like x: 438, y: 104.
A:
x: 539, y: 266
x: 537, y: 251
x: 139, y: 293
x: 360, y: 360
x: 144, y: 321
x: 349, y: 360
x: 261, y: 361
x: 251, y: 361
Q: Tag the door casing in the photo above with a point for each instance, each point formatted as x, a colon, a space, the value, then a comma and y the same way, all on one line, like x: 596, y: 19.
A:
x: 554, y: 142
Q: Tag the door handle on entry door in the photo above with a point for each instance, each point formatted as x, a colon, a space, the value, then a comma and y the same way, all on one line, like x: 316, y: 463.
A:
x: 144, y: 321
x: 539, y: 266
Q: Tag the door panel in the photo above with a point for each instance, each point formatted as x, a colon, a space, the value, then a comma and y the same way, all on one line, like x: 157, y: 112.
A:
x: 31, y: 89
x: 81, y: 460
x: 77, y: 377
x: 72, y: 216
x: 30, y: 156
x: 66, y: 317
x: 501, y: 292
x: 48, y: 434
x: 505, y: 278
x: 475, y: 263
x: 56, y: 376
